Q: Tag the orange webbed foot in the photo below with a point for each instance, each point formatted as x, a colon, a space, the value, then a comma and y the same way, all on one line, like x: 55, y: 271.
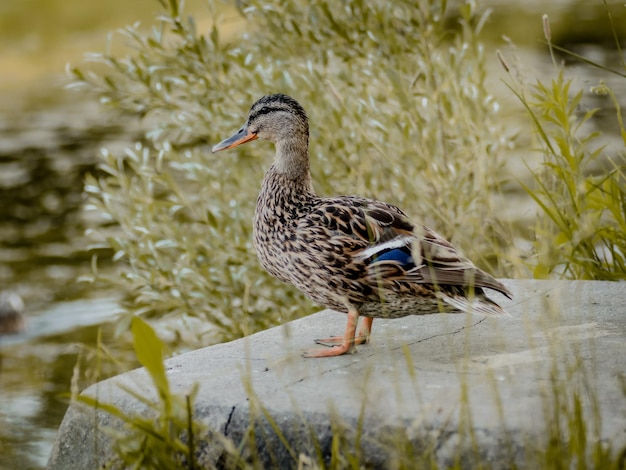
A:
x: 335, y: 341
x: 339, y: 345
x: 362, y: 338
x: 330, y: 352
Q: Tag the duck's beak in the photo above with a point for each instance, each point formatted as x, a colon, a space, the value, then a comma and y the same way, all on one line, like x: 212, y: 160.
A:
x: 242, y: 136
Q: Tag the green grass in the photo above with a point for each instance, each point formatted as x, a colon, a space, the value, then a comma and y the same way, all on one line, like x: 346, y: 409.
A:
x: 154, y: 439
x: 581, y: 228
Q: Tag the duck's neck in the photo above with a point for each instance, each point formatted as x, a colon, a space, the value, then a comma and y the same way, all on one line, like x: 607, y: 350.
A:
x: 291, y: 166
x: 287, y: 185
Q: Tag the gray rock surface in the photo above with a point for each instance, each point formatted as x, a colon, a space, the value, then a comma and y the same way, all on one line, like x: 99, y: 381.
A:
x: 448, y: 386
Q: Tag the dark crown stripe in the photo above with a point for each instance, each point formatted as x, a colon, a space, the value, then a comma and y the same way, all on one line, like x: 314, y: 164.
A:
x: 268, y: 110
x: 274, y: 103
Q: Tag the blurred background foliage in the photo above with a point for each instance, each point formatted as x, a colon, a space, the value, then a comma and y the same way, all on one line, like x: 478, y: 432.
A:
x: 397, y: 115
x: 400, y: 111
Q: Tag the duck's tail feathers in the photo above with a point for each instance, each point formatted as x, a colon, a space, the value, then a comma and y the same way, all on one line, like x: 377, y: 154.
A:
x: 480, y: 304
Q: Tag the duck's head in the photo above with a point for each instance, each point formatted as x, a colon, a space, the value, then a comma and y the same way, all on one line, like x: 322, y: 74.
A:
x: 278, y: 118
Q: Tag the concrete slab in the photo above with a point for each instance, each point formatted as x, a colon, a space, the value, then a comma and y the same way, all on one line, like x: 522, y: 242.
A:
x: 451, y: 386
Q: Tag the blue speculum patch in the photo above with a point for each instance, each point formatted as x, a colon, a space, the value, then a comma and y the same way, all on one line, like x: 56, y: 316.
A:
x: 401, y: 255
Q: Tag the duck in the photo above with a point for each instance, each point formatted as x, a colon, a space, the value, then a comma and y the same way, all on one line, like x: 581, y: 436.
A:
x: 363, y: 257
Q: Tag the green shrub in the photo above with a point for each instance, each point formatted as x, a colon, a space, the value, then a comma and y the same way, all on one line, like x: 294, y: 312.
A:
x: 580, y: 190
x: 399, y: 111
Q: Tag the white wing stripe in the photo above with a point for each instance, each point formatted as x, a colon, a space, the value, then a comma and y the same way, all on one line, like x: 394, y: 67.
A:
x: 388, y: 245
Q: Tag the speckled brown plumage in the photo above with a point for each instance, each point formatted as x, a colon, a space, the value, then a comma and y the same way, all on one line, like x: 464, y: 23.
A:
x: 355, y: 255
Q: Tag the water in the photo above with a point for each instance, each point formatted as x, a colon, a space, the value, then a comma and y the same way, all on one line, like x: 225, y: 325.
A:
x: 46, y: 147
x: 36, y: 368
x: 44, y: 154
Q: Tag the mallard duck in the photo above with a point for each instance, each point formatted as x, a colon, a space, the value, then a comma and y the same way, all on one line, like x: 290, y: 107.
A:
x: 355, y: 255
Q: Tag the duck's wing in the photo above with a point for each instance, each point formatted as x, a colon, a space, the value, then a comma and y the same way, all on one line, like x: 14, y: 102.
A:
x: 443, y: 264
x: 381, y: 243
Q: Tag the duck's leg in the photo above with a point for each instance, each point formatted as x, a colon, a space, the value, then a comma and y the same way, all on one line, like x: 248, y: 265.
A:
x: 347, y: 342
x: 365, y: 331
x: 362, y: 338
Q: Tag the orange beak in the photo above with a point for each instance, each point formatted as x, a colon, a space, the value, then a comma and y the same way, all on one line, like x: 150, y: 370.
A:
x: 242, y: 136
